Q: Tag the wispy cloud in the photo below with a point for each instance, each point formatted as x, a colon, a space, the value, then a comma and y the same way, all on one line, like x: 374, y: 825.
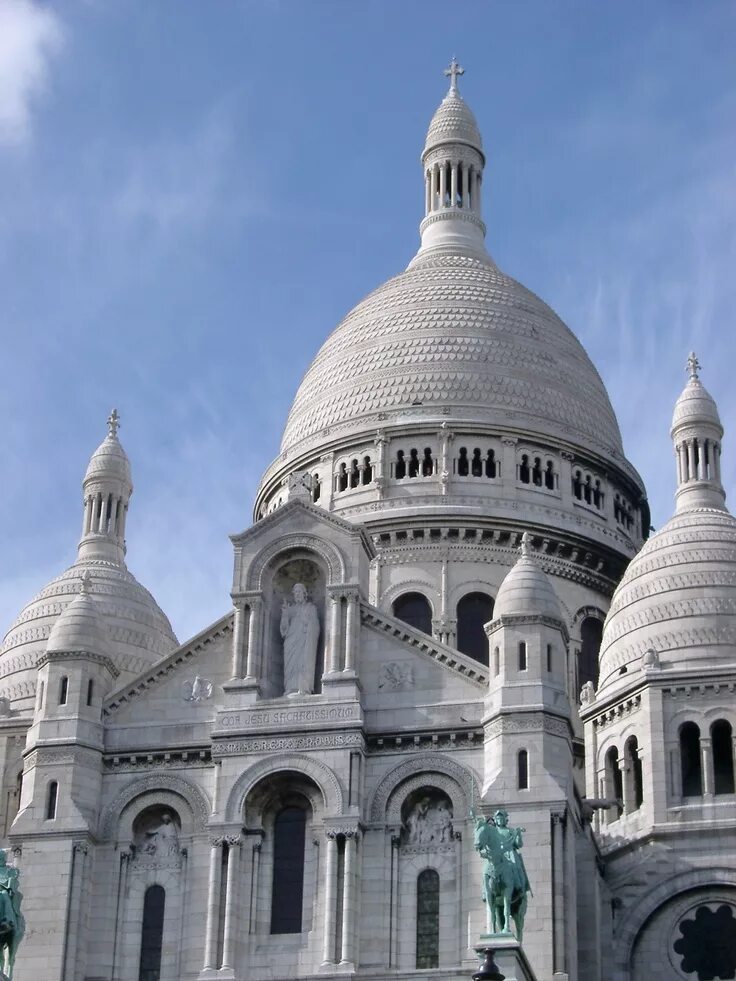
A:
x: 30, y: 36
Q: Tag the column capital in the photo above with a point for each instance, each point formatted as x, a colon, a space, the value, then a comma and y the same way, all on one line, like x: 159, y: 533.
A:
x: 345, y: 827
x: 559, y: 817
x: 250, y: 597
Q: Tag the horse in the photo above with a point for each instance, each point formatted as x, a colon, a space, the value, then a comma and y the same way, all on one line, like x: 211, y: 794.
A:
x: 12, y: 928
x: 505, y: 884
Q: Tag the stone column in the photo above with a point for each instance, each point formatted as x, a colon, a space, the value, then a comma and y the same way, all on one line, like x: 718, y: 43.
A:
x: 213, y: 905
x: 393, y: 941
x: 453, y: 186
x: 690, y: 459
x: 351, y: 619
x: 464, y: 186
x: 508, y: 461
x: 626, y: 784
x: 445, y: 437
x: 427, y: 193
x: 330, y: 890
x: 239, y: 636
x: 380, y: 473
x: 231, y: 901
x: 443, y: 185
x: 558, y: 891
x: 476, y: 193
x: 335, y: 645
x: 717, y: 462
x: 349, y: 903
x: 706, y: 754
x: 254, y: 636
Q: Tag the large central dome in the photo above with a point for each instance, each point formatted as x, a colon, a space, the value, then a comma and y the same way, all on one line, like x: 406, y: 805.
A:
x: 453, y: 332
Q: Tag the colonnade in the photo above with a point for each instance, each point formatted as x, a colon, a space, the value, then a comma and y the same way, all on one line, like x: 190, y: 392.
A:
x: 698, y: 459
x: 454, y: 179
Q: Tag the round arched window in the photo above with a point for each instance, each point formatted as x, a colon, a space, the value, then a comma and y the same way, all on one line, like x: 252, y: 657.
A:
x: 414, y: 609
x: 474, y: 611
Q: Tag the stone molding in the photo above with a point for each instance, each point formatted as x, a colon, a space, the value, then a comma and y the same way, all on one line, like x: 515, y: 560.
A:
x: 423, y: 767
x: 101, y: 659
x: 192, y: 795
x: 626, y: 707
x: 311, y: 767
x: 171, y: 759
x: 288, y: 744
x: 529, y: 722
x: 329, y: 553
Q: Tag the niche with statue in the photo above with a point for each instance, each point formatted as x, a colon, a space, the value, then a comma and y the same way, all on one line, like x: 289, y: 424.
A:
x: 426, y: 821
x: 156, y: 832
x: 295, y: 638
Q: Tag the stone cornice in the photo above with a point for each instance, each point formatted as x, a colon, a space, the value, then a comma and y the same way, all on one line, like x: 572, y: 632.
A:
x: 101, y: 659
x: 277, y: 517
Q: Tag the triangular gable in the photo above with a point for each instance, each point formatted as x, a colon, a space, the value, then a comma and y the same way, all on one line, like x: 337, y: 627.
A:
x: 286, y: 515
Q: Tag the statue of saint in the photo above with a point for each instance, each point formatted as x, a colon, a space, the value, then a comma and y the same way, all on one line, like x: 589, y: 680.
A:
x: 163, y: 841
x: 505, y: 882
x: 300, y: 632
x: 12, y: 923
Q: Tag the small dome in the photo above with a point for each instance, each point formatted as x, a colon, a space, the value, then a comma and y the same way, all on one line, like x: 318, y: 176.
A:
x: 79, y: 628
x: 453, y: 122
x: 526, y: 590
x: 678, y: 598
x: 110, y: 461
x: 695, y: 406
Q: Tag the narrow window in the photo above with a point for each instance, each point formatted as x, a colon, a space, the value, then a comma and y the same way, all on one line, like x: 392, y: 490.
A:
x: 577, y: 485
x: 354, y: 474
x: 427, y: 463
x: 597, y: 495
x: 537, y: 472
x: 90, y: 691
x: 496, y: 661
x: 549, y: 657
x: 367, y: 470
x: 634, y: 776
x: 692, y: 773
x: 40, y: 697
x: 549, y: 476
x: 462, y: 463
x: 63, y: 690
x: 591, y: 635
x: 428, y: 919
x: 588, y: 490
x: 617, y: 508
x: 400, y: 467
x: 476, y: 466
x: 342, y: 478
x: 722, y: 743
x: 522, y: 656
x: 152, y: 934
x: 490, y: 464
x: 614, y: 784
x: 316, y: 488
x: 289, y: 832
x: 52, y: 795
x: 474, y: 611
x: 522, y: 767
x: 414, y: 463
x: 414, y: 609
x: 524, y: 470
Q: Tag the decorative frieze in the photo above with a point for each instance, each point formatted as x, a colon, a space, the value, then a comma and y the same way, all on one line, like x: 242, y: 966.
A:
x: 284, y: 744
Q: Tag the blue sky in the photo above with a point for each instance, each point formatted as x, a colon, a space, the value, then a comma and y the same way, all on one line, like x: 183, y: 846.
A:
x: 193, y: 194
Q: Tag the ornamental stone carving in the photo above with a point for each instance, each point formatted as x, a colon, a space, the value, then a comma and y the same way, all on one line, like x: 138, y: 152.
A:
x: 429, y: 821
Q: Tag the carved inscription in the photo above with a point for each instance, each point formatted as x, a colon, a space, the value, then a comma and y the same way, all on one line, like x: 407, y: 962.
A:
x: 297, y: 716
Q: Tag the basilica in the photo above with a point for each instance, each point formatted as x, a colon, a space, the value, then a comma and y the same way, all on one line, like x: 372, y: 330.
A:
x: 447, y: 607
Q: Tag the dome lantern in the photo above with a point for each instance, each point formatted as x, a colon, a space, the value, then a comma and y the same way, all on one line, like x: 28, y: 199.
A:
x: 453, y: 162
x: 697, y: 433
x: 107, y: 490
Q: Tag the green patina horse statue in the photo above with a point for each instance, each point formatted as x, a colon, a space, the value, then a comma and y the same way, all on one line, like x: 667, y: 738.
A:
x: 505, y: 882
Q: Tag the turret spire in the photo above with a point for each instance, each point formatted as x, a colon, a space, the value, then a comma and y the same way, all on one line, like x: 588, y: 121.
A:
x: 107, y: 489
x: 697, y: 433
x: 453, y: 162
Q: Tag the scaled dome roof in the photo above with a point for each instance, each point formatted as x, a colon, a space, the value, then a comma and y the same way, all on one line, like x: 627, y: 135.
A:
x: 526, y: 590
x: 678, y: 597
x: 453, y: 331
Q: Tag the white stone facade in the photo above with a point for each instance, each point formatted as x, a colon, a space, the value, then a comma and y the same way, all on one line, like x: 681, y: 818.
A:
x: 451, y: 446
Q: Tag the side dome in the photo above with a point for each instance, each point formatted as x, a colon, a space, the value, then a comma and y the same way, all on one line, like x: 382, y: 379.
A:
x: 526, y: 590
x: 79, y: 628
x: 676, y: 603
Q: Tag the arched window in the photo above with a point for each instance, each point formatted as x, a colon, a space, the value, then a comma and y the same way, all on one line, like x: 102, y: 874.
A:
x: 549, y: 476
x: 549, y: 658
x: 524, y: 469
x: 354, y: 474
x: 614, y: 783
x: 462, y: 463
x: 367, y: 470
x: 40, y: 697
x: 490, y: 464
x: 692, y: 771
x: 474, y: 611
x: 342, y: 478
x: 152, y: 934
x: 522, y: 656
x: 428, y: 919
x: 90, y: 691
x: 316, y: 487
x: 635, y: 785
x: 537, y: 472
x: 577, y: 485
x: 588, y: 490
x: 52, y: 795
x: 63, y: 690
x: 287, y: 896
x: 400, y: 465
x: 522, y: 770
x: 496, y: 661
x: 427, y: 463
x: 414, y: 609
x: 591, y: 634
x: 722, y: 745
x: 413, y: 463
x: 476, y: 464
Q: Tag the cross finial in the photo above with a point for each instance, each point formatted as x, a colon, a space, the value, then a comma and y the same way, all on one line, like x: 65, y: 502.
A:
x: 453, y: 71
x: 692, y: 366
x: 113, y: 424
x: 86, y: 583
x: 526, y: 545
